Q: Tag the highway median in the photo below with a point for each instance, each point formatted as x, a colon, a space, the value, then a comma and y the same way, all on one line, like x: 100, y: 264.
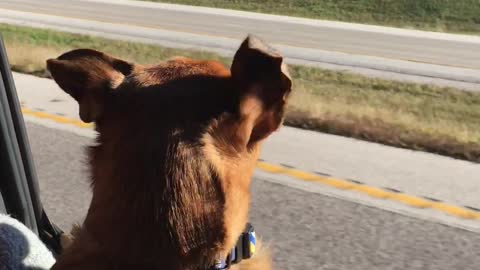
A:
x: 408, y: 115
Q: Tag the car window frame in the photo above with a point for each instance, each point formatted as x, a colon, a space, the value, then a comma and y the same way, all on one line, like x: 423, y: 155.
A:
x: 18, y: 179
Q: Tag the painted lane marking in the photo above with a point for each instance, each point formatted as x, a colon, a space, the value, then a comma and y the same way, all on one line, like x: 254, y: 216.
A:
x: 466, y: 212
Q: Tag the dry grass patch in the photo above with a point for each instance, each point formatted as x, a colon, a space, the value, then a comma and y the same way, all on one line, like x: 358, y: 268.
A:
x: 27, y: 58
x: 421, y: 117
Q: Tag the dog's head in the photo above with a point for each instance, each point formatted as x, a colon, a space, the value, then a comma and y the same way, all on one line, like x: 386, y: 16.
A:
x: 178, y: 142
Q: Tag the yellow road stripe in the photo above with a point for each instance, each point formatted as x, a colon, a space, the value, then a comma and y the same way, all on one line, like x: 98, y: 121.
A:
x: 56, y: 118
x: 374, y: 192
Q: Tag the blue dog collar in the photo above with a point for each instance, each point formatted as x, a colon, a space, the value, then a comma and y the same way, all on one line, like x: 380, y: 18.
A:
x: 244, y: 249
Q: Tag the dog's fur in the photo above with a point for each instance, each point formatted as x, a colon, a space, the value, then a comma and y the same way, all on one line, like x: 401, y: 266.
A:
x: 176, y: 150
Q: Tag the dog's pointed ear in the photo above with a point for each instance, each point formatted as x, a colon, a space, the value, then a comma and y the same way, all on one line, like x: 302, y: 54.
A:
x: 88, y: 75
x: 264, y: 85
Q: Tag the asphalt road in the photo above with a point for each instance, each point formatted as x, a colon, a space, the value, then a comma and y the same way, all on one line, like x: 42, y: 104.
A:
x: 306, y: 230
x: 399, y: 54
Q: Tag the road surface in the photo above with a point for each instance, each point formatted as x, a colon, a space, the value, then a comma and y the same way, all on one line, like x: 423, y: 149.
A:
x: 308, y: 226
x: 444, y: 59
x: 307, y: 230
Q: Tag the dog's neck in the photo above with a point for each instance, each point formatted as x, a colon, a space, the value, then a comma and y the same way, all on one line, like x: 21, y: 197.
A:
x: 152, y: 209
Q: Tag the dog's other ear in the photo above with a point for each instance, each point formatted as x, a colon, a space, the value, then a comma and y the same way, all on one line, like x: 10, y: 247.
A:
x: 87, y: 75
x: 264, y: 84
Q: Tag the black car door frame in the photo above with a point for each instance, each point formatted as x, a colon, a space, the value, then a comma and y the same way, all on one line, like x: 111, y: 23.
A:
x: 18, y: 180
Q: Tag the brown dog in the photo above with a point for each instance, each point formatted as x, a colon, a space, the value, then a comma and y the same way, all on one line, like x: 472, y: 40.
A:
x: 177, y: 146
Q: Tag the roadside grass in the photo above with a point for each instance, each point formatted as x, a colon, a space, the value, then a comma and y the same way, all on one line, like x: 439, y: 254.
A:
x: 435, y: 15
x: 408, y: 115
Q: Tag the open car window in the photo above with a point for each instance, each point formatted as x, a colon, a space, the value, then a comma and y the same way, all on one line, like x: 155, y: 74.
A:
x: 19, y: 190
